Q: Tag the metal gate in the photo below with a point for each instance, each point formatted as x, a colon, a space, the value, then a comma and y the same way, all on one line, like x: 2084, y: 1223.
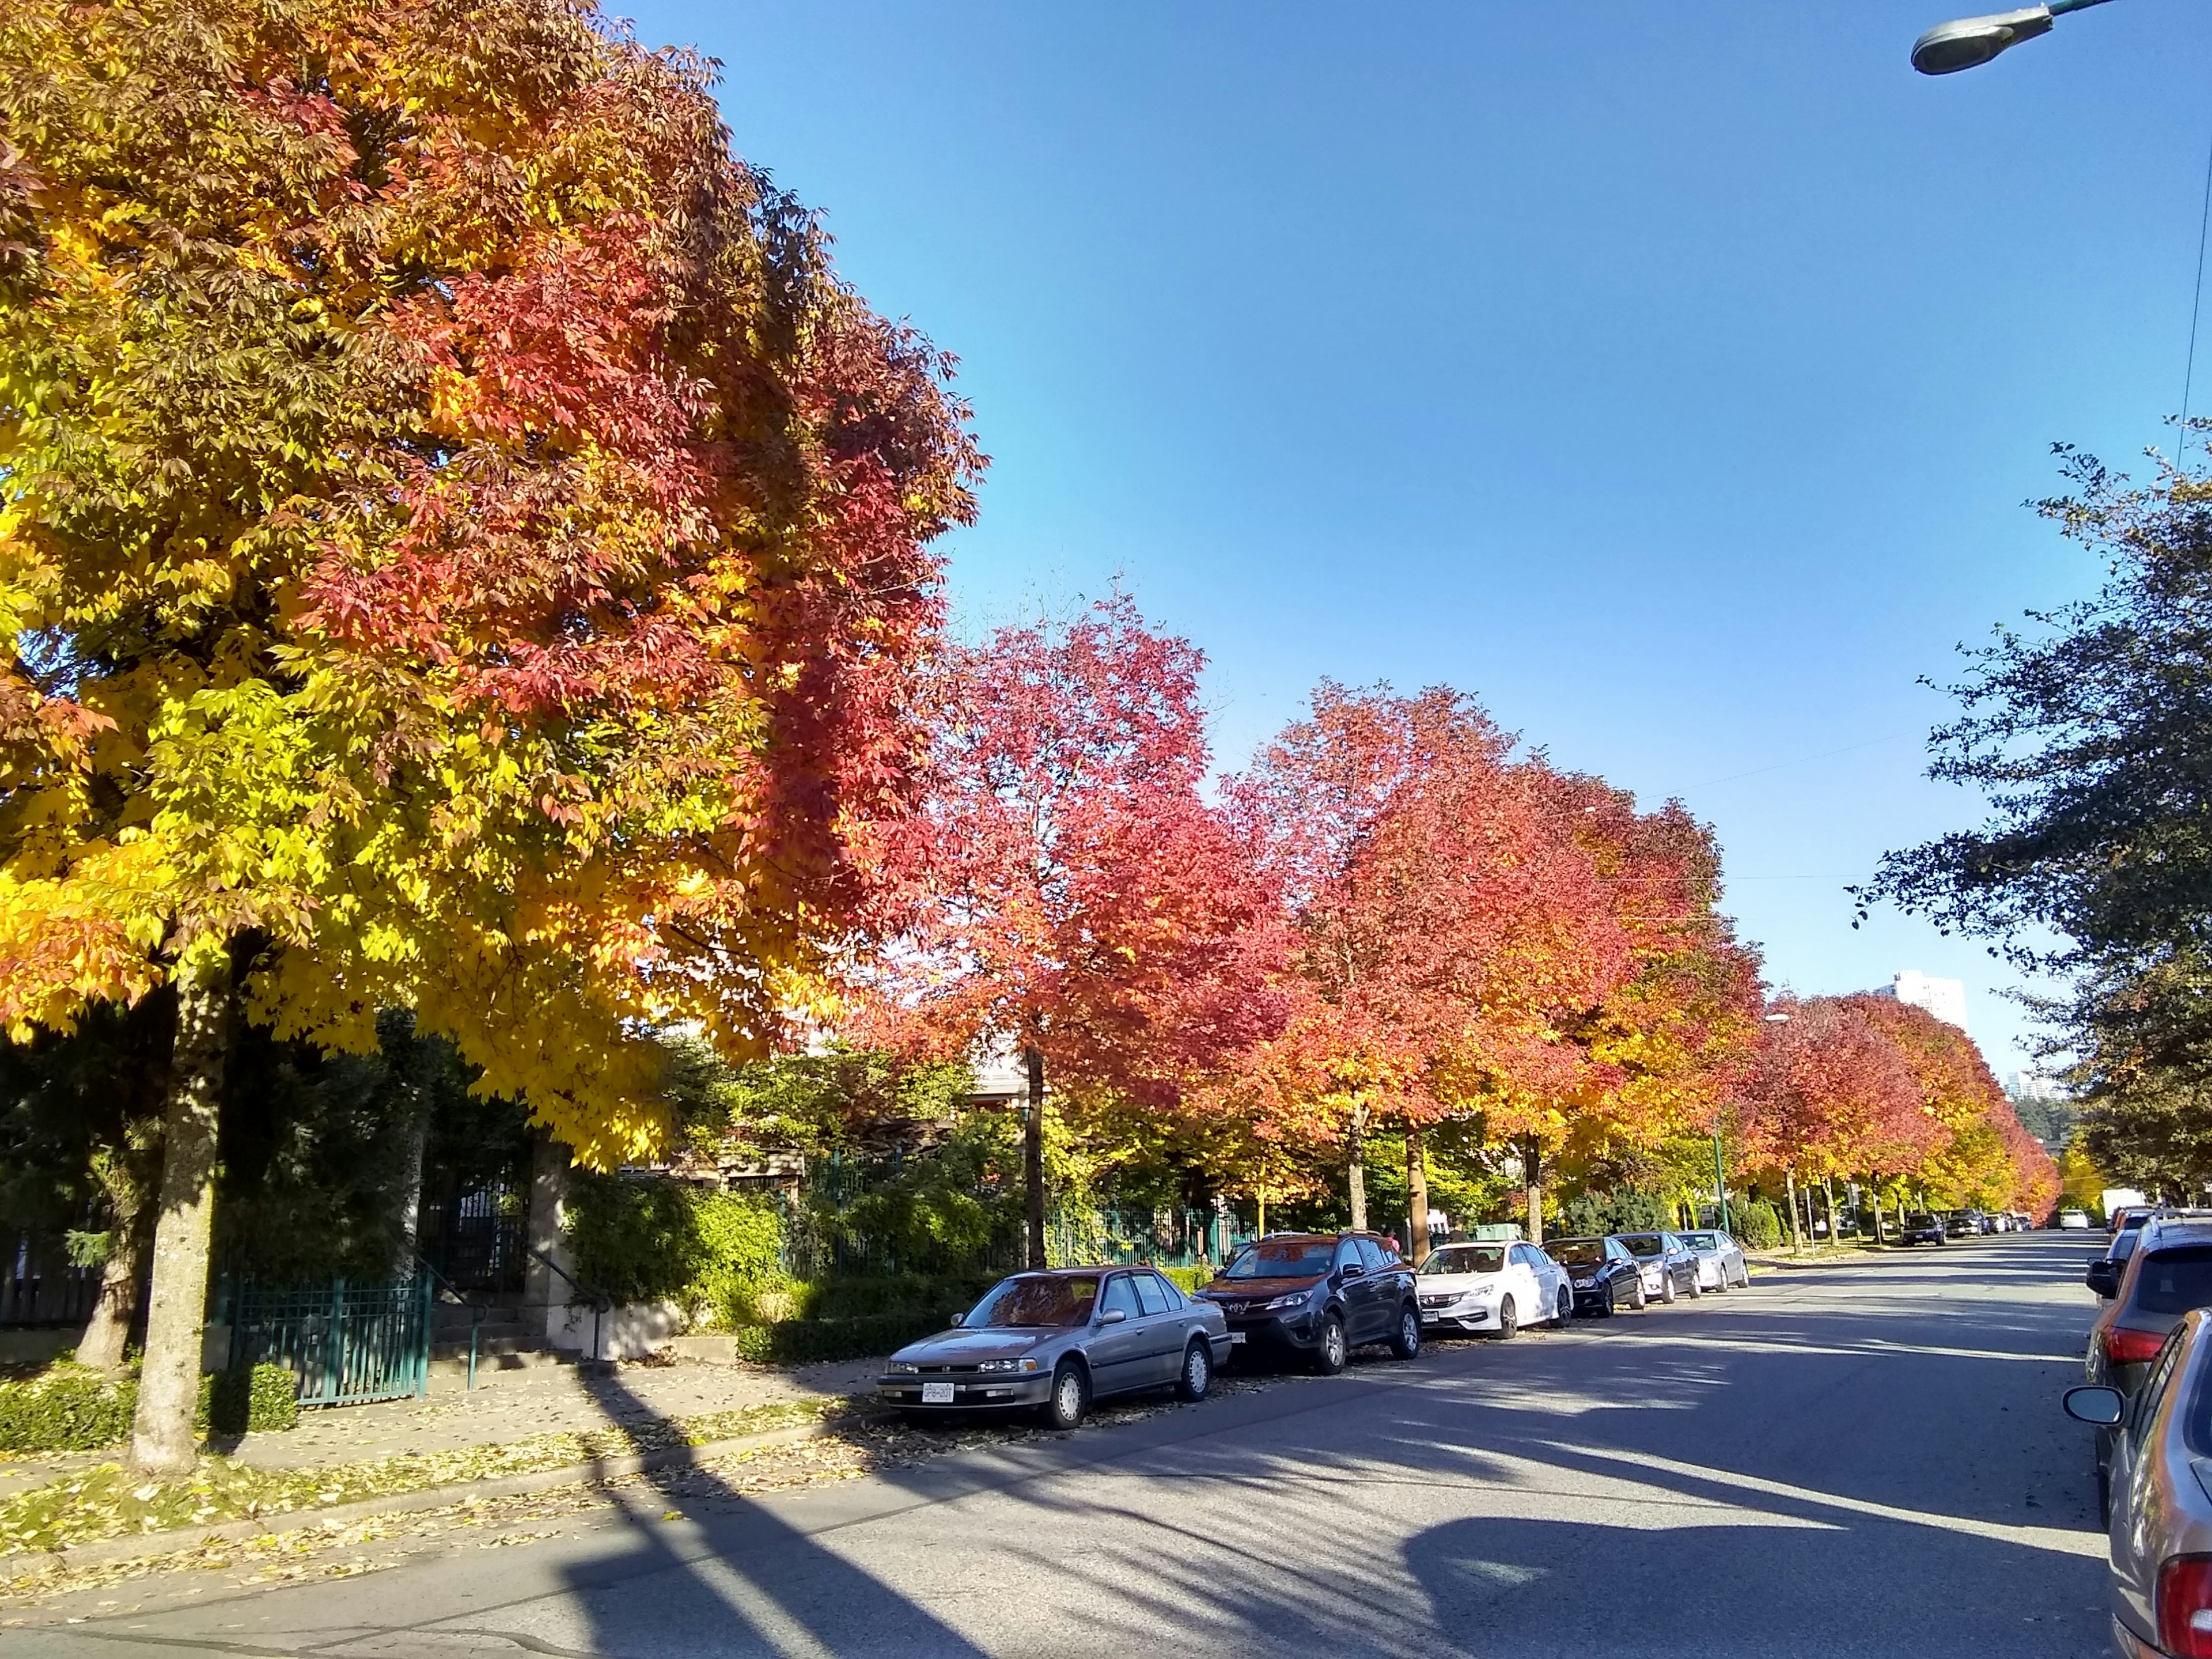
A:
x: 348, y: 1344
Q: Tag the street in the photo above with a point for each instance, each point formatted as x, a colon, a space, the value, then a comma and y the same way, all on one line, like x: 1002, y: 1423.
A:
x: 1847, y: 1460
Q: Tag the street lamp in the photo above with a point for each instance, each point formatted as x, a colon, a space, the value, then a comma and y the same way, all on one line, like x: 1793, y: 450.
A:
x: 1973, y: 41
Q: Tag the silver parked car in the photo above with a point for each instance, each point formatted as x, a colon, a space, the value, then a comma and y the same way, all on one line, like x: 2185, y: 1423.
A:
x: 1666, y: 1263
x: 1055, y: 1341
x: 1720, y: 1260
x: 2160, y: 1532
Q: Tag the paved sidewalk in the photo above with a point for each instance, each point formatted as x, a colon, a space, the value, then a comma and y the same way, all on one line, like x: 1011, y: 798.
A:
x: 506, y: 1406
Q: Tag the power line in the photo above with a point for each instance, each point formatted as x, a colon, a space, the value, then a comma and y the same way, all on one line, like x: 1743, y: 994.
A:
x: 2195, y: 307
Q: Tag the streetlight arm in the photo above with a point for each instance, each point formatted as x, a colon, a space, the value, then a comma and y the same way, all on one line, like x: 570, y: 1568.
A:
x: 1969, y: 42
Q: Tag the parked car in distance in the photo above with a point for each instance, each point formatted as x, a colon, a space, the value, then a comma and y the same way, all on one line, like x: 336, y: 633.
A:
x: 2158, y: 1515
x: 2169, y: 1272
x: 1319, y: 1295
x: 1605, y: 1274
x: 1492, y: 1287
x: 1667, y: 1266
x: 1719, y: 1258
x: 1056, y: 1341
x: 1919, y: 1227
x: 1962, y: 1224
x: 2073, y: 1220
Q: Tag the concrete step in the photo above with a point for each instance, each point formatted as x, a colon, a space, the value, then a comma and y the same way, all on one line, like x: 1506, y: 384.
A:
x: 515, y: 1360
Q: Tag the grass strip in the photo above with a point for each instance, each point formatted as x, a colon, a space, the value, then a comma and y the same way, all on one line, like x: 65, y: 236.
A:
x: 109, y: 1502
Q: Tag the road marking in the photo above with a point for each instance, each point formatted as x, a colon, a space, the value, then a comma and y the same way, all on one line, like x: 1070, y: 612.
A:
x: 2058, y: 1539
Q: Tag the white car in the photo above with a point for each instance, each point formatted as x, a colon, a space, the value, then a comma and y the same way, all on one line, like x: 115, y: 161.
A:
x: 1720, y: 1260
x: 2074, y: 1221
x: 1492, y: 1287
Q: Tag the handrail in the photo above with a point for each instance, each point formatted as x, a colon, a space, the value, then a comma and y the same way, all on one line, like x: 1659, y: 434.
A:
x: 600, y: 1301
x: 477, y: 1311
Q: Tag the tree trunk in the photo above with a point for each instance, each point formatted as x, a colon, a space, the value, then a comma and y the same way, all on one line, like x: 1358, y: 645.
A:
x: 1355, y: 1167
x: 1875, y: 1187
x: 1033, y: 1157
x: 1797, y: 1238
x: 1533, y: 1168
x: 108, y: 1332
x: 161, y: 1442
x: 1828, y: 1205
x: 410, y: 1181
x: 1417, y: 1198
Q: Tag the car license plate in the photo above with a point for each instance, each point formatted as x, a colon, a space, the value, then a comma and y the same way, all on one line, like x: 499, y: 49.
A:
x: 1235, y: 1337
x: 936, y: 1394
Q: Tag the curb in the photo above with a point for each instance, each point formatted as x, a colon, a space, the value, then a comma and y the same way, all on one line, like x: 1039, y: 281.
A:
x: 1855, y: 1258
x: 177, y: 1540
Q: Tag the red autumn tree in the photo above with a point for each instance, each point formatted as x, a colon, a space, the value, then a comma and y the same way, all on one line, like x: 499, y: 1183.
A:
x: 1068, y: 892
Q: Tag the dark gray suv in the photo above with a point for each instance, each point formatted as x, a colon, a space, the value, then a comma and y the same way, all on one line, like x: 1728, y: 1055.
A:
x: 1319, y: 1296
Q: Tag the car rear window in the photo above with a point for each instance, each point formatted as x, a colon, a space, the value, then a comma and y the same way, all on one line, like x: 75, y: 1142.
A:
x: 2172, y: 1281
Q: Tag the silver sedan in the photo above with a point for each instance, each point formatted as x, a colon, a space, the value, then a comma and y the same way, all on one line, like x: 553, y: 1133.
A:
x: 2162, y: 1518
x: 1055, y: 1341
x: 1720, y: 1259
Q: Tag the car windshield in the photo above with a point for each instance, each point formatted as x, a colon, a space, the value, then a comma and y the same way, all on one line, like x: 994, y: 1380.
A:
x: 1032, y: 1300
x: 1701, y: 1241
x: 1576, y: 1252
x: 1643, y: 1244
x: 2172, y: 1281
x: 1285, y: 1258
x: 1919, y: 1218
x: 1466, y: 1258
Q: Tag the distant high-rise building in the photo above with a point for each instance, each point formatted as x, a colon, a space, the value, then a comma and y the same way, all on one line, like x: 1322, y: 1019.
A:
x: 2039, y: 1087
x: 1946, y: 999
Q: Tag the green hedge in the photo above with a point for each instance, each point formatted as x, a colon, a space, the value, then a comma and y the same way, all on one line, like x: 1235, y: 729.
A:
x: 72, y: 1408
x: 1187, y: 1279
x: 802, y: 1341
x: 1757, y: 1223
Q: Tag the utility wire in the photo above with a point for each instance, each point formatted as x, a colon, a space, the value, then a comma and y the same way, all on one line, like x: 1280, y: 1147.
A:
x: 2195, y: 307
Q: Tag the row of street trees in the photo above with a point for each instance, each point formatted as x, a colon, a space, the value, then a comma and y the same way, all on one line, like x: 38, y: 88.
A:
x: 468, y: 558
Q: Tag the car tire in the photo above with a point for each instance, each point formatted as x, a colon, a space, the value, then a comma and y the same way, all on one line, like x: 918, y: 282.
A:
x: 1196, y: 1381
x: 1509, y: 1320
x: 1667, y: 1291
x: 1697, y: 1284
x: 1642, y: 1302
x: 1069, y: 1402
x: 1743, y: 1278
x: 1721, y: 1281
x: 1330, y: 1352
x: 1612, y: 1301
x: 1564, y: 1315
x: 1407, y: 1343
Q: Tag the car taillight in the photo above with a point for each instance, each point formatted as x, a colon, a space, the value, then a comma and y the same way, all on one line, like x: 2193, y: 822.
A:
x: 2126, y: 1347
x: 2184, y: 1607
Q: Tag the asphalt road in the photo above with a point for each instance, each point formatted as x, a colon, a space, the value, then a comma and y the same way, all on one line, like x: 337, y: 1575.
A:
x: 1842, y: 1461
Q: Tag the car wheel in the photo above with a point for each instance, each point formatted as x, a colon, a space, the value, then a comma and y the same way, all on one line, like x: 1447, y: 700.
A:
x: 1667, y: 1291
x: 1743, y: 1277
x: 1509, y: 1320
x: 1696, y: 1283
x: 1642, y: 1297
x: 1612, y: 1301
x: 1408, y: 1342
x: 1197, y: 1375
x: 1329, y: 1355
x: 1565, y: 1313
x: 1721, y: 1280
x: 1070, y: 1400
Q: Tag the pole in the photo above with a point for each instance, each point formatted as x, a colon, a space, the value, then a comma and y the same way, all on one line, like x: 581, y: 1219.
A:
x: 1797, y: 1238
x: 1720, y: 1182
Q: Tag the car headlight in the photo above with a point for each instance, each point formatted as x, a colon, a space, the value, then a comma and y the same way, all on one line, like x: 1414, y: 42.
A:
x: 1294, y: 1299
x: 1000, y: 1366
x: 903, y: 1368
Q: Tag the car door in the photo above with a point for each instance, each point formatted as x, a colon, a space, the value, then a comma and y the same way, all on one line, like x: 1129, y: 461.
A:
x: 1117, y: 1348
x: 1163, y: 1323
x: 1521, y: 1285
x: 2134, y: 1529
x: 1549, y: 1276
x: 1625, y: 1270
x: 1356, y: 1294
x: 1385, y: 1290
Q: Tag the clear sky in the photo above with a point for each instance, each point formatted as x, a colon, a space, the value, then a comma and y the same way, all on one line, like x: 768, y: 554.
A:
x: 1671, y: 378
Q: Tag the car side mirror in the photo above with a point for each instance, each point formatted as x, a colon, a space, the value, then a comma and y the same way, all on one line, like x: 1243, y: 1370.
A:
x: 2103, y: 1408
x: 2104, y: 1277
x: 1353, y: 1270
x: 1112, y: 1316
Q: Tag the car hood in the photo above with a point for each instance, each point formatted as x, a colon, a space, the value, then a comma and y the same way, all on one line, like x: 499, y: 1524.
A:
x: 959, y: 1347
x: 1259, y: 1290
x: 1457, y: 1281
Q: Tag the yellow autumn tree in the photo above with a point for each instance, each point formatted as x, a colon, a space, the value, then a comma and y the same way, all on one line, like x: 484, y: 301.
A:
x: 461, y: 549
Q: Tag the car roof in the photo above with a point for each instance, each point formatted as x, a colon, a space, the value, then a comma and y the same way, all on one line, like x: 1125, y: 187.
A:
x: 2176, y: 1229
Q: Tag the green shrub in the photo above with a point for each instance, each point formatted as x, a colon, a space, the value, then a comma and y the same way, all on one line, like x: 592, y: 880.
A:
x: 71, y: 1407
x: 891, y: 1295
x: 715, y: 1254
x: 1756, y: 1224
x: 803, y: 1341
x: 1187, y: 1280
x: 1622, y: 1210
x: 66, y: 1408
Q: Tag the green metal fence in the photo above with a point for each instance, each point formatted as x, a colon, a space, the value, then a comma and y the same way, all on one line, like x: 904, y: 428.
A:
x: 348, y: 1344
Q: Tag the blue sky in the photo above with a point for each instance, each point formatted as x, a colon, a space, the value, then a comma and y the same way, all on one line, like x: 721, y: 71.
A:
x: 1670, y: 378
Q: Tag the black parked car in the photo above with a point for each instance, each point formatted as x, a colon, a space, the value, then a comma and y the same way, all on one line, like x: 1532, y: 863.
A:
x: 1921, y: 1228
x: 1319, y: 1295
x: 1606, y: 1278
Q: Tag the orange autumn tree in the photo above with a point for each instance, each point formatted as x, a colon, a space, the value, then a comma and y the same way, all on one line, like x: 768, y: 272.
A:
x: 1983, y: 1158
x: 463, y: 549
x: 1444, y: 924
